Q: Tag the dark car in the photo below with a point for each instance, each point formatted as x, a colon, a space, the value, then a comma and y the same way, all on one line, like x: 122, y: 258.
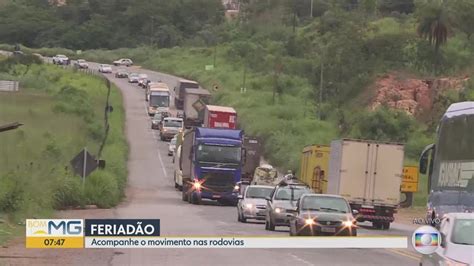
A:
x: 156, y: 121
x: 282, y: 202
x: 322, y: 215
x: 121, y: 73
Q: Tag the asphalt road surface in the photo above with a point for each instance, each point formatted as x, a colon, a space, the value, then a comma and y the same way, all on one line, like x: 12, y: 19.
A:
x: 151, y: 194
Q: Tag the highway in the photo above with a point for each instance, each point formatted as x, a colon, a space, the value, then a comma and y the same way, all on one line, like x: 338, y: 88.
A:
x: 151, y: 194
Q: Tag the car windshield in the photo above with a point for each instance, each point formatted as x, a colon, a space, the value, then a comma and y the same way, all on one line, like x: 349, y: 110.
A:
x: 81, y: 61
x: 134, y: 75
x: 218, y: 154
x: 173, y: 123
x: 157, y: 117
x: 143, y: 76
x: 291, y: 193
x: 258, y: 192
x: 463, y: 232
x: 326, y: 204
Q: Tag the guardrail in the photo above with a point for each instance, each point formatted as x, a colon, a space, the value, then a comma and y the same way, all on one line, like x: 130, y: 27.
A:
x: 9, y: 85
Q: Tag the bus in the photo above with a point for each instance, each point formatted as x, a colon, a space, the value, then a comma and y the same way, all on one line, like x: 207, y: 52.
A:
x: 449, y: 163
x: 158, y: 96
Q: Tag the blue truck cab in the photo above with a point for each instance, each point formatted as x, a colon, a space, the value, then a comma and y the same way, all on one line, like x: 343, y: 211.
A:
x: 211, y: 162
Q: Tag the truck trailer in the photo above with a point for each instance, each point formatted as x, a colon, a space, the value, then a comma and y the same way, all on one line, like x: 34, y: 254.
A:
x: 368, y: 174
x: 220, y: 117
x: 179, y: 91
x: 211, y: 161
x: 253, y: 154
x: 195, y: 101
x: 314, y: 167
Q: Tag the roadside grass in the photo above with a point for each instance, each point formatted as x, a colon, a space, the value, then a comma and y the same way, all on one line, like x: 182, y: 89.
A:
x: 62, y: 112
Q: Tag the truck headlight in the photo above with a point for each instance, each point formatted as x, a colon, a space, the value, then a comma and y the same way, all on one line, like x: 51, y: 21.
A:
x: 279, y: 210
x: 249, y: 205
x: 309, y: 221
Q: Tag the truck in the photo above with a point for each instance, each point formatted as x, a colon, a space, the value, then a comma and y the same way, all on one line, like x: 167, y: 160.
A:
x: 220, y: 117
x: 211, y: 162
x: 195, y: 101
x: 368, y: 175
x: 179, y: 91
x: 314, y: 167
x: 253, y: 154
x: 158, y: 99
x: 449, y: 163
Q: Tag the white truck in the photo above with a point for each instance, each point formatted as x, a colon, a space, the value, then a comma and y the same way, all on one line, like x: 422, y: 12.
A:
x: 195, y: 101
x: 368, y: 174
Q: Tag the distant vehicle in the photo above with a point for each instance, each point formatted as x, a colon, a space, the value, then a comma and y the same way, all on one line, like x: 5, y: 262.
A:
x: 61, y: 59
x: 178, y: 172
x: 449, y: 163
x: 457, y: 241
x: 133, y: 77
x: 18, y: 53
x: 142, y: 80
x: 283, y: 202
x: 156, y: 120
x: 195, y: 101
x: 182, y: 85
x: 252, y: 203
x: 220, y: 117
x: 318, y: 215
x: 81, y: 63
x: 158, y: 97
x: 170, y: 127
x: 172, y: 146
x: 314, y: 168
x: 368, y: 175
x: 265, y: 175
x: 121, y: 73
x: 123, y: 62
x: 103, y: 68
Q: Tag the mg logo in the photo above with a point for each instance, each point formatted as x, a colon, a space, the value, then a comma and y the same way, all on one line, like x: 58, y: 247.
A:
x: 65, y: 227
x: 54, y: 227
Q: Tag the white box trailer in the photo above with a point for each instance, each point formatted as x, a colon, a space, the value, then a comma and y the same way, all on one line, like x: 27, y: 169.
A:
x: 368, y: 174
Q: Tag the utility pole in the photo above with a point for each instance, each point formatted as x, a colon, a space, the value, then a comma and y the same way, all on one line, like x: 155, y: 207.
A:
x: 215, y: 54
x: 152, y: 30
x: 321, y: 88
x: 294, y: 16
x: 311, y: 9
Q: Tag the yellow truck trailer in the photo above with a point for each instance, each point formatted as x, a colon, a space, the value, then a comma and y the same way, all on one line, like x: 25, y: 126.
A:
x: 315, y: 167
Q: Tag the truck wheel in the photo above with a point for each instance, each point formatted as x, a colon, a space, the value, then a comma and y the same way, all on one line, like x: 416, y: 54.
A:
x: 195, y: 199
x: 184, y: 196
x: 385, y: 225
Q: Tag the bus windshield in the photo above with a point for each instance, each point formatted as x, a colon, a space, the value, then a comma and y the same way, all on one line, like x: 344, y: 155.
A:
x: 456, y: 139
x: 159, y: 100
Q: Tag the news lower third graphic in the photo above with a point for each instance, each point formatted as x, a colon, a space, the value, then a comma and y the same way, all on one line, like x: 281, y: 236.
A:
x: 146, y: 233
x: 426, y: 240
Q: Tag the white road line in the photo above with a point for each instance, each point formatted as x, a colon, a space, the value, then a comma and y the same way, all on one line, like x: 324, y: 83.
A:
x: 301, y: 260
x: 156, y: 139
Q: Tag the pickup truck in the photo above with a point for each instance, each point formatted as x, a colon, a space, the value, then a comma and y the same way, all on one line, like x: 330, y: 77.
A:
x: 123, y: 62
x: 457, y: 241
x: 61, y: 59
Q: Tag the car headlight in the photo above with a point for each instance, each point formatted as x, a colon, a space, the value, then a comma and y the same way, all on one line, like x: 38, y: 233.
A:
x: 309, y: 221
x: 348, y: 223
x: 279, y: 210
x: 249, y: 205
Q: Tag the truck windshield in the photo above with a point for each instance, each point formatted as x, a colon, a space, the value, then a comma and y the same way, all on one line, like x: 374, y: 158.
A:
x: 258, y: 192
x: 173, y: 123
x: 463, y: 232
x: 328, y: 204
x: 218, y: 154
x: 291, y: 193
x: 159, y: 100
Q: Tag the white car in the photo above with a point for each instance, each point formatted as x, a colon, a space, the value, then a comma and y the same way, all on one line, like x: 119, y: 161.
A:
x: 172, y: 146
x: 123, y: 62
x: 142, y: 79
x: 133, y: 78
x: 178, y: 173
x: 457, y: 241
x: 81, y: 63
x: 103, y: 68
x: 252, y: 203
x: 61, y: 59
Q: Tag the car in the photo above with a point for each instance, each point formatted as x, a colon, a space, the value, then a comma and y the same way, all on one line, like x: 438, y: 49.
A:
x: 123, y: 62
x: 121, y: 73
x: 133, y: 77
x: 169, y: 127
x: 457, y: 241
x: 282, y: 201
x: 104, y: 68
x: 18, y: 53
x: 156, y: 120
x: 81, y: 63
x: 178, y: 173
x: 142, y: 80
x: 61, y: 59
x: 252, y: 203
x: 172, y: 146
x: 323, y: 214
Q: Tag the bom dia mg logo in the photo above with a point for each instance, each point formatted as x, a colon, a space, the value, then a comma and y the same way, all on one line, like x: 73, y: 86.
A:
x: 57, y: 233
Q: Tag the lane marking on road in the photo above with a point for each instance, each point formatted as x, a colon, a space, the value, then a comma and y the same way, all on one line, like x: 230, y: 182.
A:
x: 405, y: 254
x: 301, y: 260
x: 156, y: 139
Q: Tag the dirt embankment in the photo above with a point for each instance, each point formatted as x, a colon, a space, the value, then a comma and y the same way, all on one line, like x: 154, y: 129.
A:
x: 412, y: 95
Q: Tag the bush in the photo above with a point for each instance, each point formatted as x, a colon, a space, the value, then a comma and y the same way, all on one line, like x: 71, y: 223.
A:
x: 102, y: 189
x: 68, y: 193
x: 11, y: 192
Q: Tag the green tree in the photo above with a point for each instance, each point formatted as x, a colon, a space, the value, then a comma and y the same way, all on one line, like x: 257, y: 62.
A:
x: 463, y: 16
